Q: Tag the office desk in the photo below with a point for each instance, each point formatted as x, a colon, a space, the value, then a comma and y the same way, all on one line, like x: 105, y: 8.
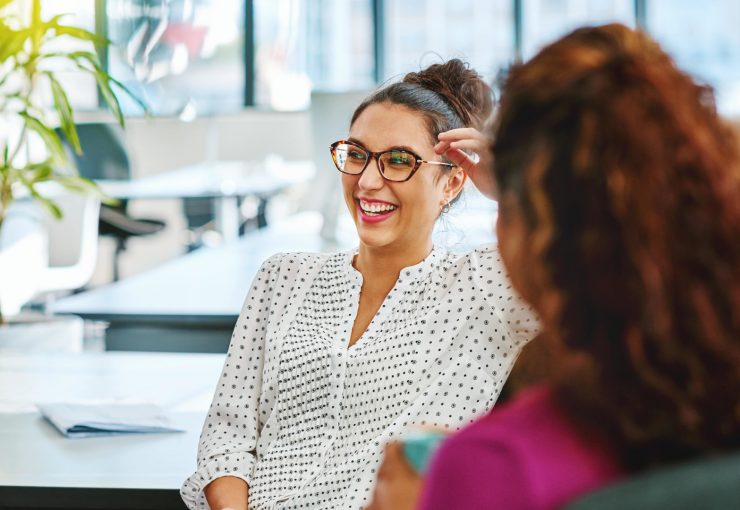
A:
x: 189, y: 304
x: 40, y: 468
x: 223, y: 181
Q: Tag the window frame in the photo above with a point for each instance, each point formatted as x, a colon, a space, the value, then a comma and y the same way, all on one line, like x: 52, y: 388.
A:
x: 379, y: 47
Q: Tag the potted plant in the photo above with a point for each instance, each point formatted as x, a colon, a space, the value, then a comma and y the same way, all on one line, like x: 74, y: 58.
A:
x: 27, y: 76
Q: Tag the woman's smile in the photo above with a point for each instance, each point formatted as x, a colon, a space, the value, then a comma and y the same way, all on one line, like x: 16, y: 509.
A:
x: 374, y: 211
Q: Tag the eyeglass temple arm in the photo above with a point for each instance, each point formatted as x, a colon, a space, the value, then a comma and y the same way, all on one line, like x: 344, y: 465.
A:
x: 436, y: 163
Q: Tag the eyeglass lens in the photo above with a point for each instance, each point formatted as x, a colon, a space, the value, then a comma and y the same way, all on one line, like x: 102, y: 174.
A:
x: 395, y: 165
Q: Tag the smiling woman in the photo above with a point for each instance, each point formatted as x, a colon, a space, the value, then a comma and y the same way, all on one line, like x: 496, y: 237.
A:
x: 336, y: 354
x: 410, y: 207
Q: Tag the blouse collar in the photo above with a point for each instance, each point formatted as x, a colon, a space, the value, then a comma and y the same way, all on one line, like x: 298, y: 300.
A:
x: 409, y: 274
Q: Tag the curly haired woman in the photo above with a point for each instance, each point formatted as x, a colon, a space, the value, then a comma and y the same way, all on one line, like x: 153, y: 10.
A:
x: 619, y: 221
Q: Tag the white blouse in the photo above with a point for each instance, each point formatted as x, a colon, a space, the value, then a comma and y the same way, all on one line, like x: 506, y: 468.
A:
x: 302, y: 418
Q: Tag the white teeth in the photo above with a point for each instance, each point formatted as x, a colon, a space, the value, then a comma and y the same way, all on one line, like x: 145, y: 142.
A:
x: 376, y: 208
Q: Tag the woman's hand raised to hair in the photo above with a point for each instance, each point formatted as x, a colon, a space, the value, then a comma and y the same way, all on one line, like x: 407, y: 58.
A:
x: 452, y: 145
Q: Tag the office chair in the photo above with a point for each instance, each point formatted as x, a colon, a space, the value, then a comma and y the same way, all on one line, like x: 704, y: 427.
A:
x: 23, y: 255
x: 105, y: 157
x: 713, y: 483
x: 73, y: 243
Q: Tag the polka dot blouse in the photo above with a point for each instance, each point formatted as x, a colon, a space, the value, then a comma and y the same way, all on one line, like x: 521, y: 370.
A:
x: 302, y: 418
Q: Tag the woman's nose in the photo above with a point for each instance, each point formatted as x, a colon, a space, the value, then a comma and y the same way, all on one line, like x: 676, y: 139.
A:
x: 371, y: 177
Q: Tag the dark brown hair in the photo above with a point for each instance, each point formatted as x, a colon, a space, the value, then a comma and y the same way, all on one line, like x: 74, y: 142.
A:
x: 628, y: 183
x: 449, y: 95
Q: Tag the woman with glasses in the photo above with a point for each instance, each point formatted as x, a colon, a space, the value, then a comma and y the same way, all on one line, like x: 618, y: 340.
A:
x: 335, y: 354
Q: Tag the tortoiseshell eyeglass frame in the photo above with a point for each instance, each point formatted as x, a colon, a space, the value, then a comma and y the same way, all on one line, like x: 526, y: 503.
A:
x: 376, y: 155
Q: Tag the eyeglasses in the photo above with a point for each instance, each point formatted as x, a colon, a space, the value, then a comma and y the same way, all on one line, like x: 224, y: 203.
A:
x: 397, y: 165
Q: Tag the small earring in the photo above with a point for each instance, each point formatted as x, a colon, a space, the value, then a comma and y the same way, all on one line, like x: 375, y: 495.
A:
x: 446, y: 206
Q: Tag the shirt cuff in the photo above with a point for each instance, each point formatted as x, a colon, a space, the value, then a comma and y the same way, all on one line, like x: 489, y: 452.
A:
x: 236, y: 464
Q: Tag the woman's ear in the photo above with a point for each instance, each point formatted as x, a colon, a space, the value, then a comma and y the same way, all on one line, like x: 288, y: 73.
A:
x: 455, y: 182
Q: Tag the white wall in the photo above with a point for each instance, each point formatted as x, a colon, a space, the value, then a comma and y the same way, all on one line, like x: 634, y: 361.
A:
x: 158, y: 145
x: 161, y: 144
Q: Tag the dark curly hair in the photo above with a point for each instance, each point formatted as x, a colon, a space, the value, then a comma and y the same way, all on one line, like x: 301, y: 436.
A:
x: 628, y: 184
x: 450, y: 95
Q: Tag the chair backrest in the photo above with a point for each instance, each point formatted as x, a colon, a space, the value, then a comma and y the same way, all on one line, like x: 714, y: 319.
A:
x: 104, y: 153
x: 73, y: 243
x: 23, y: 255
x: 713, y: 483
x: 330, y: 113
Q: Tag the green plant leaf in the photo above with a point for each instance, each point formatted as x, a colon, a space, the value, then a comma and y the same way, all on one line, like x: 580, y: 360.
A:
x: 43, y: 173
x: 109, y: 96
x: 74, y: 56
x: 84, y: 186
x: 50, y: 138
x: 12, y: 42
x: 38, y: 28
x: 103, y: 80
x: 38, y: 172
x: 36, y: 12
x: 50, y: 205
x: 45, y: 201
x: 130, y: 94
x: 93, y: 60
x: 78, y: 33
x: 64, y: 110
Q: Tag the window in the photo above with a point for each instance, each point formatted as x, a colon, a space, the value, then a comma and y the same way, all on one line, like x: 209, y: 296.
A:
x: 421, y: 32
x: 704, y: 39
x: 543, y: 21
x: 302, y: 45
x: 180, y: 56
x: 189, y: 55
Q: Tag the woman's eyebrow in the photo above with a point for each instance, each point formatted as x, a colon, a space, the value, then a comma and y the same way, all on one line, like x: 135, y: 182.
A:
x: 395, y: 147
x: 404, y: 148
x: 355, y: 140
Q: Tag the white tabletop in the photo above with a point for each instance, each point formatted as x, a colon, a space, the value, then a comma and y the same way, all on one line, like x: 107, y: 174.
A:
x: 204, y: 286
x: 178, y: 382
x: 33, y: 454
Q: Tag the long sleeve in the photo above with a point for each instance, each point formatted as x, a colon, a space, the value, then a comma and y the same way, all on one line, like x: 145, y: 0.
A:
x: 232, y: 426
x: 494, y: 286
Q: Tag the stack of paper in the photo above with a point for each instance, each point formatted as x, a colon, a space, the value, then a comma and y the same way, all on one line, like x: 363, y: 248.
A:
x: 83, y: 420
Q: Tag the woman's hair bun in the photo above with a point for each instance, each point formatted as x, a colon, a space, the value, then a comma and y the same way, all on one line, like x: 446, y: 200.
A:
x: 460, y: 86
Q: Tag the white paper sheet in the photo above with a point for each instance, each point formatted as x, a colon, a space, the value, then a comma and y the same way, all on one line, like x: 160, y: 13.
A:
x: 85, y: 420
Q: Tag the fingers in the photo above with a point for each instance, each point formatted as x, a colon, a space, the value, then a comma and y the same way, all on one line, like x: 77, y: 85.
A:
x: 396, y: 462
x: 373, y: 504
x: 461, y: 159
x: 397, y: 486
x: 461, y: 133
x: 391, y: 457
x: 394, y: 452
x: 468, y: 144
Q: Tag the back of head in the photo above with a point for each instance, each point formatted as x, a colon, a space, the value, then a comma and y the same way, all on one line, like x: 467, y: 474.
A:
x: 449, y: 95
x: 628, y: 183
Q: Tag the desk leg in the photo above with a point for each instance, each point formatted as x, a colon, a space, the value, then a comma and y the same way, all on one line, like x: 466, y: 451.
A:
x: 262, y: 213
x: 227, y: 217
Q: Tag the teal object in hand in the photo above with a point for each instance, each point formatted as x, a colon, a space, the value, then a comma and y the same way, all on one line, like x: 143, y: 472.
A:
x: 419, y: 447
